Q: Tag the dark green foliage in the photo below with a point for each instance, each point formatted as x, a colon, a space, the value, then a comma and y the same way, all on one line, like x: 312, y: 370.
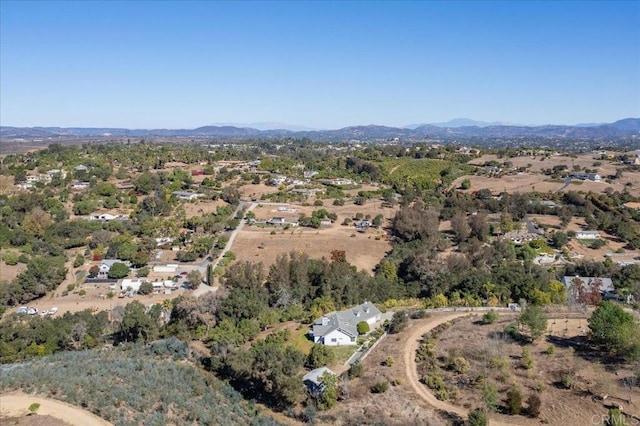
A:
x: 146, y: 288
x: 356, y: 370
x: 615, y: 330
x: 320, y: 355
x: 137, y: 324
x: 118, y: 270
x: 398, y: 322
x: 42, y: 274
x: 135, y: 385
x: 615, y: 417
x: 534, y: 320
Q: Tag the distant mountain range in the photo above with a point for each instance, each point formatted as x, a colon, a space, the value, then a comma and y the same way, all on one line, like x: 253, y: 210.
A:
x: 454, y: 129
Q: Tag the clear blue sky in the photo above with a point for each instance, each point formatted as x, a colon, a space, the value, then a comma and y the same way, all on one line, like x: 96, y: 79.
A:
x: 320, y: 64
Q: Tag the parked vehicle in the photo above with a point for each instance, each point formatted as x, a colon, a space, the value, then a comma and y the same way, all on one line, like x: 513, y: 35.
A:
x: 53, y: 310
x: 32, y: 311
x: 22, y: 310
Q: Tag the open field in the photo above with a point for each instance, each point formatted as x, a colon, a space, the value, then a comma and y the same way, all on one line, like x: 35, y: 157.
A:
x: 364, y: 250
x: 533, y: 179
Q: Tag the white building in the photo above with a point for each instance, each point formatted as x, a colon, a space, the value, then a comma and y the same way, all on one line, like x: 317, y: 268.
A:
x: 341, y: 328
x: 587, y: 235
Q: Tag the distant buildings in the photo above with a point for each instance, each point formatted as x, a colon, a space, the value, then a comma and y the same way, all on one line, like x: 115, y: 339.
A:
x: 187, y: 196
x: 587, y: 235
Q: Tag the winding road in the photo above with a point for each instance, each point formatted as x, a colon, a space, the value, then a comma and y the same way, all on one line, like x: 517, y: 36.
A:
x: 411, y: 367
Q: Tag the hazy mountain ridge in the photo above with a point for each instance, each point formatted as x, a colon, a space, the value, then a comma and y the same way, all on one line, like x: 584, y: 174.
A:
x: 625, y: 128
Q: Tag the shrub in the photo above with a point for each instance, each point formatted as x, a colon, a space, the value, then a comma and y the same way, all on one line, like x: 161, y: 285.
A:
x: 567, y: 379
x: 338, y: 202
x: 615, y: 418
x: 143, y: 272
x: 380, y: 387
x: 363, y: 327
x: 146, y: 288
x: 82, y: 292
x: 11, y: 258
x: 398, y: 322
x: 514, y: 401
x: 490, y: 397
x: 478, y: 417
x: 34, y: 407
x: 460, y: 365
x: 527, y: 359
x: 79, y: 261
x: 388, y: 362
x: 356, y: 370
x: 550, y: 350
x: 490, y: 317
x: 534, y: 405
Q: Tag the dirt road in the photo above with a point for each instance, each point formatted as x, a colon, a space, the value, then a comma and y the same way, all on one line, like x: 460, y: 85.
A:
x: 411, y: 370
x: 17, y: 404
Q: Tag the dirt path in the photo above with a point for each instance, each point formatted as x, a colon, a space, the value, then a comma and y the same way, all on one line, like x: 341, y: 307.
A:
x: 411, y: 368
x: 17, y: 404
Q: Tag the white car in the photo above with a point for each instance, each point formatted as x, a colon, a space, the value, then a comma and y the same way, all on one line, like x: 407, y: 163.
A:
x: 22, y: 310
x: 32, y: 311
x: 53, y: 310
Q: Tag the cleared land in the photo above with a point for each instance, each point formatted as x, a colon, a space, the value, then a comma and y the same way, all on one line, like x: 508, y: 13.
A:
x: 16, y: 404
x: 363, y: 249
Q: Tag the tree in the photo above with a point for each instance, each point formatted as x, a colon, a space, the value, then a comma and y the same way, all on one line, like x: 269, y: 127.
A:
x: 210, y: 276
x: 479, y: 226
x: 460, y: 227
x: 398, y: 322
x: 320, y: 355
x: 136, y: 325
x: 329, y: 396
x: 559, y: 239
x: 535, y: 320
x: 615, y: 330
x: 194, y: 278
x: 534, y: 404
x: 118, y: 270
x: 146, y: 288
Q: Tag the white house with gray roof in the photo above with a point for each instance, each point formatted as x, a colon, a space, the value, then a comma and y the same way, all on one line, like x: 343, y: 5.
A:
x: 341, y: 328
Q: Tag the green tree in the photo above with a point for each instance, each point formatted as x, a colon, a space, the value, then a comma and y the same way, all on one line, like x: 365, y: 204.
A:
x: 320, y: 355
x: 195, y: 278
x: 534, y: 320
x: 615, y: 330
x: 514, y: 401
x: 478, y: 417
x: 146, y: 288
x: 136, y: 325
x: 118, y: 270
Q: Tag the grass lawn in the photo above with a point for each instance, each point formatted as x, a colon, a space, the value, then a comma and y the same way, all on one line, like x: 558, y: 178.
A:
x: 343, y: 353
x: 300, y: 341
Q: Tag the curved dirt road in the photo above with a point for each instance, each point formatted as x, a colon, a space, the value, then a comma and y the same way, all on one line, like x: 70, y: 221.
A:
x: 411, y: 368
x: 17, y: 404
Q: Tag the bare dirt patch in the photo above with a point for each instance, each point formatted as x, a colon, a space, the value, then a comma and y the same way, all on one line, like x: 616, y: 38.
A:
x: 9, y: 272
x: 16, y: 404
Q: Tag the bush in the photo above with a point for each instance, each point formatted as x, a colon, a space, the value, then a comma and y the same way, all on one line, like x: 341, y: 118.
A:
x: 11, y: 258
x: 34, y: 407
x: 338, y: 202
x: 388, y: 362
x: 380, y: 387
x: 398, y: 322
x: 363, y: 327
x: 514, y: 401
x: 534, y: 405
x: 490, y: 317
x: 527, y: 359
x: 146, y: 288
x: 356, y: 370
x: 82, y: 293
x: 460, y: 365
x: 478, y: 417
x: 550, y: 350
x: 615, y: 418
x: 490, y: 397
x: 567, y: 379
x: 79, y: 261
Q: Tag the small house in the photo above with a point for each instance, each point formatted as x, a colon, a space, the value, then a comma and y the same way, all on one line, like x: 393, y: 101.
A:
x: 341, y: 328
x: 587, y: 235
x: 313, y: 380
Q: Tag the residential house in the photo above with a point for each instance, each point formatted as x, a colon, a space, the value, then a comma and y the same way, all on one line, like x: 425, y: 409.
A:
x: 587, y: 176
x: 341, y: 328
x: 125, y: 186
x: 607, y: 290
x: 80, y: 185
x: 313, y: 380
x: 187, y: 196
x: 632, y: 205
x: 131, y: 285
x: 81, y: 168
x: 587, y: 235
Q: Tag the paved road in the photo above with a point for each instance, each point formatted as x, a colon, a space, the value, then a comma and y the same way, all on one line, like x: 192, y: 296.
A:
x: 204, y: 288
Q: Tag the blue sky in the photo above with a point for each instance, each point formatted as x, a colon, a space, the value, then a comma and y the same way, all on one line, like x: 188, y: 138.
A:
x: 318, y: 64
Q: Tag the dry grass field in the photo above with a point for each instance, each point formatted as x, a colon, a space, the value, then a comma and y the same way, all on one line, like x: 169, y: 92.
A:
x: 533, y: 179
x: 363, y: 249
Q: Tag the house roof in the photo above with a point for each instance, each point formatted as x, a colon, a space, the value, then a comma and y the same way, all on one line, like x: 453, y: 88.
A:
x: 314, y: 375
x: 605, y: 286
x: 345, y: 321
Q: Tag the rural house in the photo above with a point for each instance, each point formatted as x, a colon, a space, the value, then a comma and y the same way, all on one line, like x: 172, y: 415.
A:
x: 341, y: 328
x: 312, y: 380
x: 607, y: 290
x: 587, y: 235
